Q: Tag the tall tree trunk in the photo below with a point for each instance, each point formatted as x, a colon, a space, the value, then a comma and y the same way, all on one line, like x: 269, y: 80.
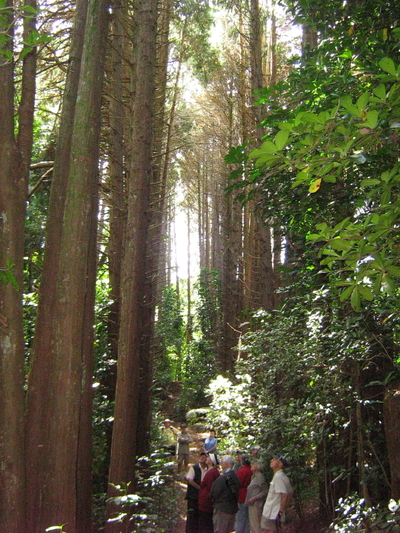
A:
x: 123, y: 450
x: 391, y: 413
x: 15, y: 157
x: 63, y: 497
x: 116, y: 185
x: 38, y: 398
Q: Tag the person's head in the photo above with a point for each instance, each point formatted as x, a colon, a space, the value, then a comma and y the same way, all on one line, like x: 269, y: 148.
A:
x: 239, y: 454
x: 212, y: 460
x: 255, y: 451
x: 278, y: 462
x: 256, y: 466
x: 212, y: 433
x: 167, y: 422
x: 245, y: 460
x: 227, y: 461
x: 183, y: 426
x: 203, y: 459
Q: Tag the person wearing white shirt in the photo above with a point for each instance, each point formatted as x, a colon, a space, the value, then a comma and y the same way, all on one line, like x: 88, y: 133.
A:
x: 278, y: 498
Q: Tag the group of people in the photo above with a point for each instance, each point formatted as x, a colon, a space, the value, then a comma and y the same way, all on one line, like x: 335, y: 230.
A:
x: 224, y: 495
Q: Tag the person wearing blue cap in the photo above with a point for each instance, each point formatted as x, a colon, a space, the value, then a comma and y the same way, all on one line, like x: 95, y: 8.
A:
x: 278, y: 498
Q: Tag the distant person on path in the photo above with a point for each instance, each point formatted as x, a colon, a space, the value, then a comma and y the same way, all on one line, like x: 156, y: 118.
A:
x: 242, y: 524
x: 256, y: 494
x: 205, y: 502
x: 184, y: 439
x: 278, y: 498
x: 238, y: 462
x: 255, y: 452
x: 168, y: 436
x: 194, y: 477
x: 210, y: 444
x: 225, y: 493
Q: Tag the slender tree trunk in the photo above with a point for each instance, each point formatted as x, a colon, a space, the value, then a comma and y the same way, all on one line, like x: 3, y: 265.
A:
x: 391, y: 412
x: 15, y: 157
x: 123, y: 450
x: 12, y: 215
x: 116, y: 184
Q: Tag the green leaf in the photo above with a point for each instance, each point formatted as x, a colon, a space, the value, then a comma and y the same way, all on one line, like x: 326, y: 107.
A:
x: 268, y: 147
x: 380, y: 91
x: 267, y: 160
x: 370, y: 182
x: 347, y: 103
x: 355, y: 299
x: 362, y: 101
x: 281, y: 139
x: 366, y: 293
x: 388, y: 65
x: 372, y: 118
x: 345, y: 295
x: 341, y: 244
x: 286, y: 126
x: 394, y: 271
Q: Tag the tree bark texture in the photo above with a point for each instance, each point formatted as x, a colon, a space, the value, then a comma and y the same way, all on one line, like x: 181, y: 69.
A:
x: 64, y: 494
x: 123, y: 449
x: 15, y: 157
x: 391, y: 413
x: 39, y: 394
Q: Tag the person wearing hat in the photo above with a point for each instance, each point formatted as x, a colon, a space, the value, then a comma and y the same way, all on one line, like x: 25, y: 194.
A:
x: 168, y: 436
x: 278, y: 498
x: 183, y: 451
x: 206, y: 507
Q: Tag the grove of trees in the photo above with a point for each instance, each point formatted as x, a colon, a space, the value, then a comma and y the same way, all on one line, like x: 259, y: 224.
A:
x: 272, y: 129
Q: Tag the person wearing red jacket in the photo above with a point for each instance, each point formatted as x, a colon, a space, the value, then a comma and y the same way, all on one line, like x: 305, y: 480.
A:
x: 206, y: 508
x: 242, y: 523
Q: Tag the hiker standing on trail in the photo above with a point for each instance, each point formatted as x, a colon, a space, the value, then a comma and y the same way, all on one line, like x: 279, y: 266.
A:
x: 242, y: 524
x: 210, y: 444
x: 183, y: 451
x: 168, y: 436
x: 278, y: 498
x: 225, y: 493
x: 255, y: 498
x: 205, y: 502
x: 194, y: 477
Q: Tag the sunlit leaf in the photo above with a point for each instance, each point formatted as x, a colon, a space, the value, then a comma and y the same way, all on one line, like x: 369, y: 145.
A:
x: 315, y: 185
x: 281, y: 139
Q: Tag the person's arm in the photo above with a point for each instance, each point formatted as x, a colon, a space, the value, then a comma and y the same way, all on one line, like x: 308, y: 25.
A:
x: 193, y: 483
x: 284, y: 502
